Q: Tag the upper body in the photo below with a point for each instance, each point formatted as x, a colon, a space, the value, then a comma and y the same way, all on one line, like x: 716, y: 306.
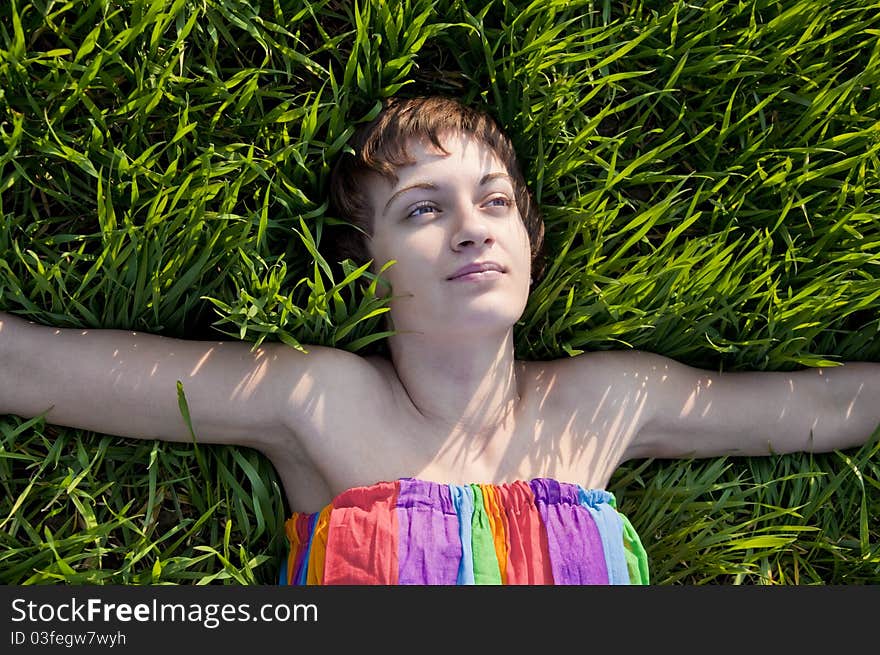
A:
x: 330, y: 420
x: 451, y: 404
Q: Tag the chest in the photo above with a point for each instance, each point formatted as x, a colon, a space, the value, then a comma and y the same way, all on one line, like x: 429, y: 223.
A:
x: 547, y: 436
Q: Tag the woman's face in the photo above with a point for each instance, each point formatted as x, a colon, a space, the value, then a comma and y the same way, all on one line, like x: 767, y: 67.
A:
x: 446, y: 215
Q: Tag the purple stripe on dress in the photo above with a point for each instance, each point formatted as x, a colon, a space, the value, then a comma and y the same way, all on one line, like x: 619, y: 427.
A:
x: 429, y: 550
x: 576, y: 555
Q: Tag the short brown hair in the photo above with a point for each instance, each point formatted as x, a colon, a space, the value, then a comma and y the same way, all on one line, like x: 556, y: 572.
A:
x: 380, y: 147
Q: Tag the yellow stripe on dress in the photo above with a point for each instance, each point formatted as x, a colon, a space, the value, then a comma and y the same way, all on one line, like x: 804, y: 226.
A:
x: 315, y: 573
x: 497, y: 522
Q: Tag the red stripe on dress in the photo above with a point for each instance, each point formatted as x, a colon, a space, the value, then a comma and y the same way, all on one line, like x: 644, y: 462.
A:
x: 528, y: 556
x: 362, y: 538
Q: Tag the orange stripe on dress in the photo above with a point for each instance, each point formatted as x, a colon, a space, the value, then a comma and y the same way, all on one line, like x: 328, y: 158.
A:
x: 362, y: 537
x: 497, y: 522
x: 528, y: 558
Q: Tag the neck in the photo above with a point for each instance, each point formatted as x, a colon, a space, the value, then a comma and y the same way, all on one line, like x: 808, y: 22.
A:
x: 463, y: 383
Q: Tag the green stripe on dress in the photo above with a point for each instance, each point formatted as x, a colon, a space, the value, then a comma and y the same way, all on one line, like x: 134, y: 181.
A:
x: 486, y: 569
x: 636, y: 557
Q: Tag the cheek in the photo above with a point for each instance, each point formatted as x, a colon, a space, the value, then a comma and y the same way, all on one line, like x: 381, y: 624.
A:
x: 381, y: 250
x: 419, y: 248
x: 521, y: 238
x: 415, y: 256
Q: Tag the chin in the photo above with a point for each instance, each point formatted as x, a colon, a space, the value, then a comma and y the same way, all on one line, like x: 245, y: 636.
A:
x: 478, y: 315
x: 482, y: 320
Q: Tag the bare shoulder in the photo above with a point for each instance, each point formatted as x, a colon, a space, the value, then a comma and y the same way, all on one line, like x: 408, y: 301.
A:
x: 324, y: 375
x: 569, y: 377
x: 329, y: 400
x: 328, y: 394
x: 596, y: 403
x: 625, y: 393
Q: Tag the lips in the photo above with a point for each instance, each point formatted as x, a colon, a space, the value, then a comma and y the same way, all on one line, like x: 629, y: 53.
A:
x: 476, y: 267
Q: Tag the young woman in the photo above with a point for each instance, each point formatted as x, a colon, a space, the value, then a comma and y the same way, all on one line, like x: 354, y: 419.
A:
x: 449, y: 461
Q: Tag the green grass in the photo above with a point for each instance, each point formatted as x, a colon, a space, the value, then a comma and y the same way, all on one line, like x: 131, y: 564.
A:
x: 711, y: 189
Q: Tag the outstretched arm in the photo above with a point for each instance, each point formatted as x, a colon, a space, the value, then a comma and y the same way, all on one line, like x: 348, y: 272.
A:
x: 691, y: 412
x: 125, y: 383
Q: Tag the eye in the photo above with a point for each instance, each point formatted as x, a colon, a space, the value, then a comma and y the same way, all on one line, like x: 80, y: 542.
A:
x: 502, y: 199
x: 425, y: 205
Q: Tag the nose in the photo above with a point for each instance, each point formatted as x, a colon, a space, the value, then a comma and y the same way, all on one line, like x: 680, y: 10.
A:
x: 472, y: 229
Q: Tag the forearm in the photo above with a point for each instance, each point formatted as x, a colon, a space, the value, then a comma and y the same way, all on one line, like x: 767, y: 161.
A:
x: 822, y: 409
x: 9, y: 325
x: 849, y: 398
x: 25, y: 388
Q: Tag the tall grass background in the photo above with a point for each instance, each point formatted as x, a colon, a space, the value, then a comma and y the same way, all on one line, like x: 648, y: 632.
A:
x: 709, y: 178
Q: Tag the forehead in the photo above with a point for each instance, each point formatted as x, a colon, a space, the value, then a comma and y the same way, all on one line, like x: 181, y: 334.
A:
x: 458, y: 145
x: 466, y: 161
x: 460, y: 148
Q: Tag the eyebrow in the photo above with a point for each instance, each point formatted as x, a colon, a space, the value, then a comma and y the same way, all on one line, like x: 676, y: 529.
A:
x: 433, y: 187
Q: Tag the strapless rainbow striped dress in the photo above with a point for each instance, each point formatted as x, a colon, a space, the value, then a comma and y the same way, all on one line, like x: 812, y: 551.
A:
x: 412, y: 531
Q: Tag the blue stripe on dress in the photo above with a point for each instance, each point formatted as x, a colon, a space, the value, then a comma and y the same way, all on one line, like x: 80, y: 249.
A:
x: 463, y: 501
x: 282, y: 579
x: 303, y: 572
x: 600, y: 504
